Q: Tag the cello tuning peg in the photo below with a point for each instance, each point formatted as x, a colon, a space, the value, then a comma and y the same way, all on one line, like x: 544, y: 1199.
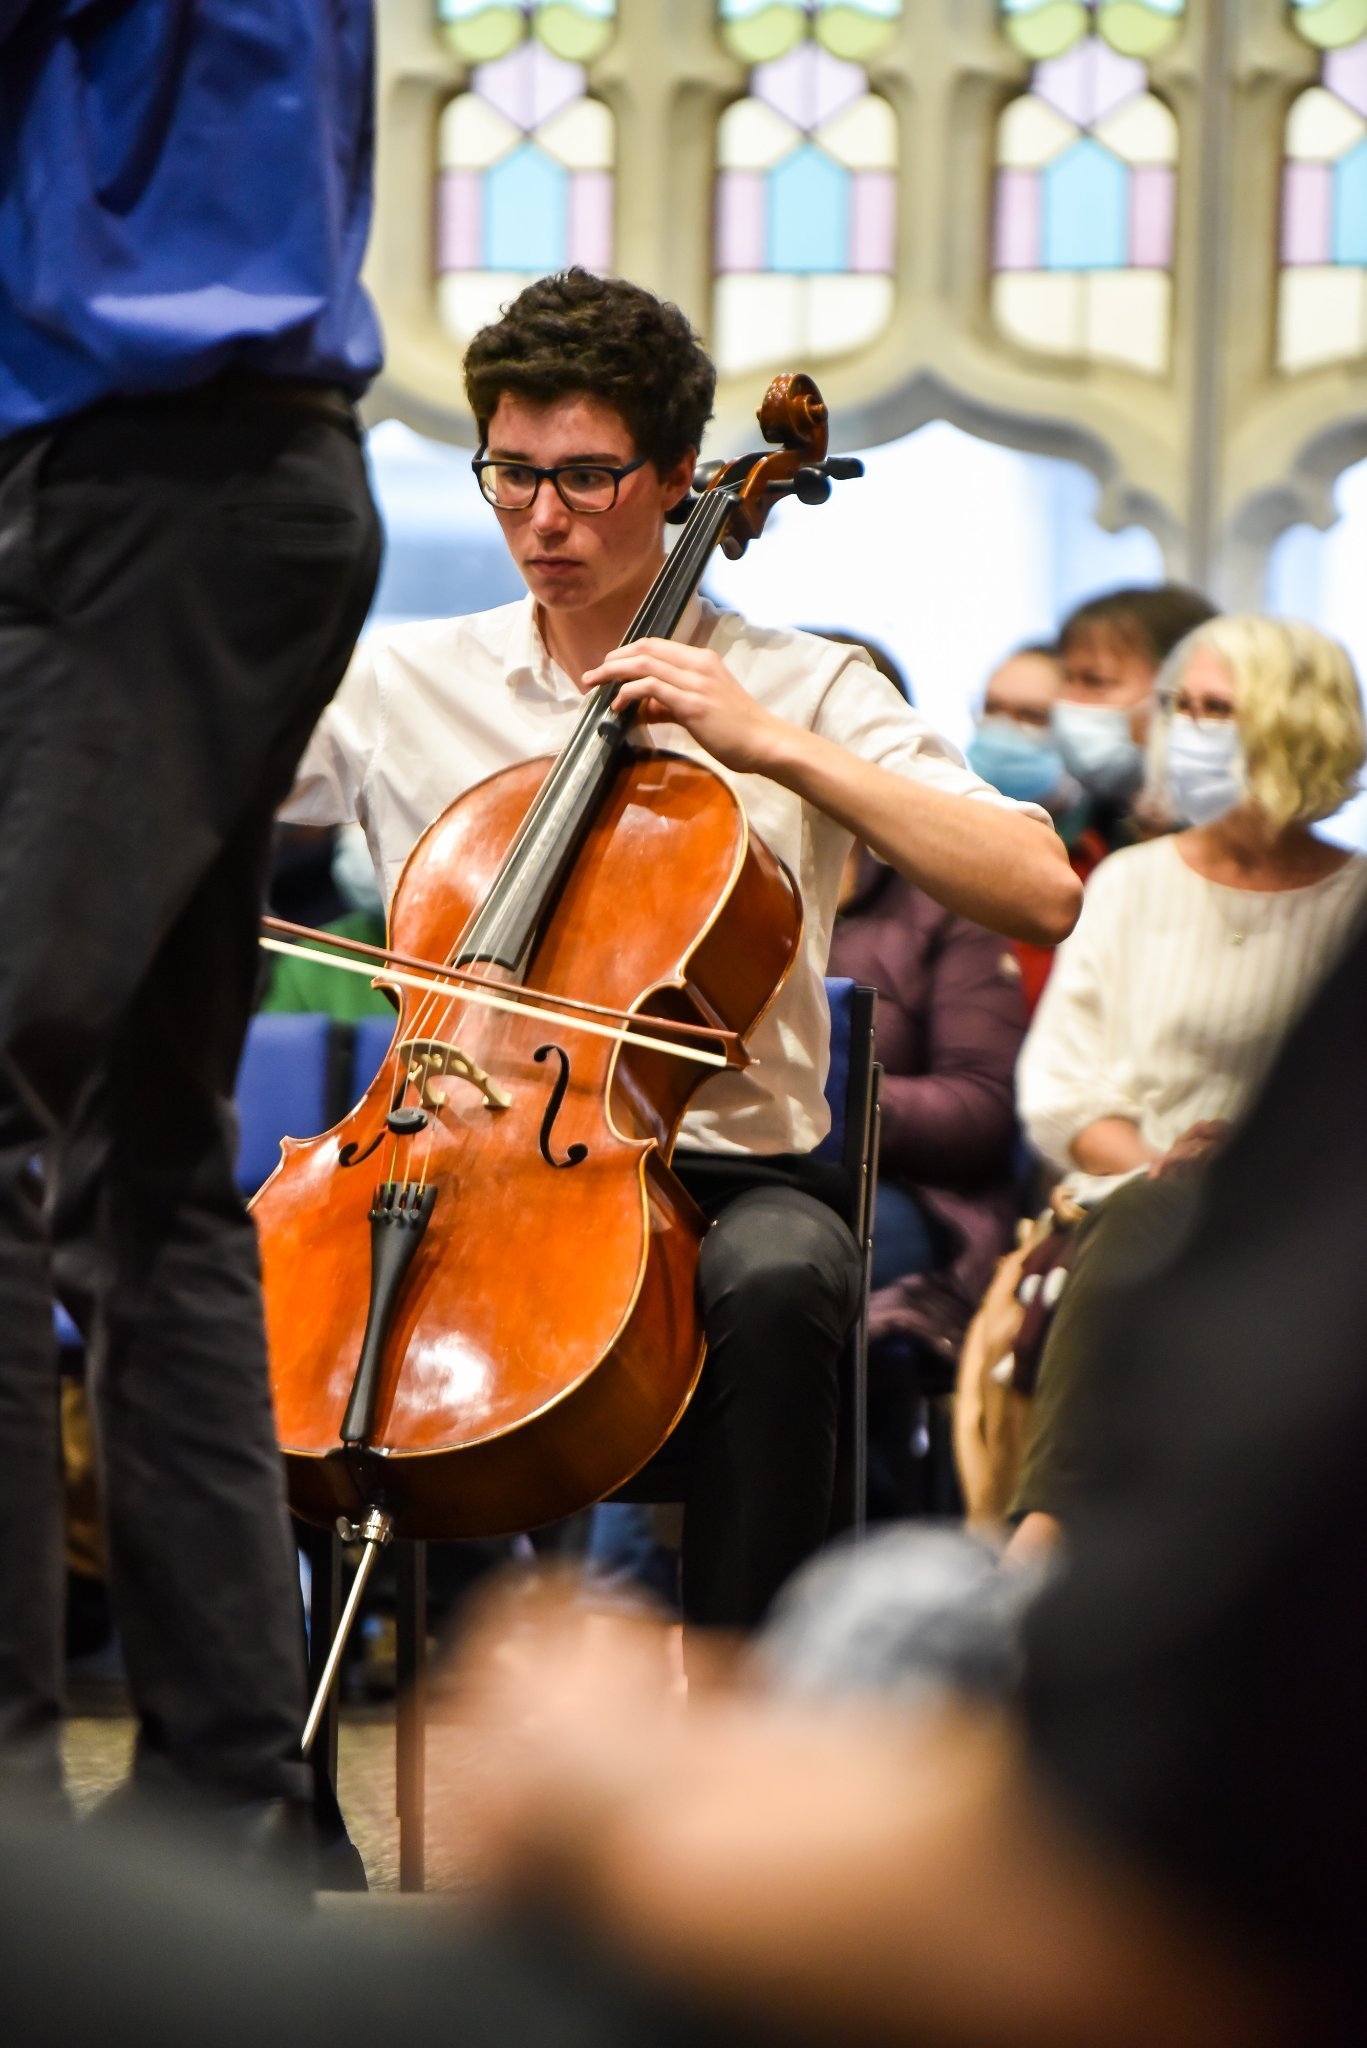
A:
x: 842, y: 467
x: 812, y: 485
x: 677, y: 515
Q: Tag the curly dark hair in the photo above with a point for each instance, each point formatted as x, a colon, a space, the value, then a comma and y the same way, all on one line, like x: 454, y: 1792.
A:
x: 616, y: 341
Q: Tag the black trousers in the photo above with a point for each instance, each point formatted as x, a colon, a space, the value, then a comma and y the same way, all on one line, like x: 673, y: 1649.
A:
x: 181, y: 583
x: 754, y: 1457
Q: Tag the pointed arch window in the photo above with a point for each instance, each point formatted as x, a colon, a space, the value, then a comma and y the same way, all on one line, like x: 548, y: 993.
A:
x: 1322, y: 309
x: 526, y: 153
x: 805, y: 198
x: 1086, y: 184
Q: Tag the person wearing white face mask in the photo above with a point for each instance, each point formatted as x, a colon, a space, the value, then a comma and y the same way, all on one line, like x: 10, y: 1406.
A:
x: 1111, y: 649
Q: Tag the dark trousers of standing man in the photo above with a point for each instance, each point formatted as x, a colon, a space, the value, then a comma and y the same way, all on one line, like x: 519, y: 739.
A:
x: 182, y: 579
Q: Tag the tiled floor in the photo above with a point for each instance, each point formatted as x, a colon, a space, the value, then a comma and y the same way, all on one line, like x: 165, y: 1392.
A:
x: 98, y: 1749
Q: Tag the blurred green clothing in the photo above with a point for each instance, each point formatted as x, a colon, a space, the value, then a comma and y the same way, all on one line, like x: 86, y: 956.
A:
x: 302, y: 985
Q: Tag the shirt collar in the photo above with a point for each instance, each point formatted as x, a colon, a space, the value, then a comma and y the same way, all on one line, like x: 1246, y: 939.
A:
x: 530, y: 667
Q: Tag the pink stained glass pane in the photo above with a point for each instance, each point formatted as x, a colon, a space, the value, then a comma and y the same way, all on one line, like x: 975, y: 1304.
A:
x: 873, y: 221
x: 808, y: 85
x: 740, y: 220
x: 1153, y: 194
x: 529, y: 84
x: 460, y: 238
x: 1089, y: 82
x: 1016, y: 229
x: 1345, y: 72
x: 1307, y: 213
x: 590, y: 237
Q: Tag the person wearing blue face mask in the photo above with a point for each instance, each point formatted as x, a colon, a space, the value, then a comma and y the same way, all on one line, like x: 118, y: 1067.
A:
x: 1014, y: 747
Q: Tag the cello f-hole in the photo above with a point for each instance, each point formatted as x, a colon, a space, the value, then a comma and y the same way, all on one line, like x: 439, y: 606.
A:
x: 576, y: 1154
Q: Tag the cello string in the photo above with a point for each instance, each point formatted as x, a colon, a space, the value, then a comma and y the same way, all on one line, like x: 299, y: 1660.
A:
x: 682, y: 572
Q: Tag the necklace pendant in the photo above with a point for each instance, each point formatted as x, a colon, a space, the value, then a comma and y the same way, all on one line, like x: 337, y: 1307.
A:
x: 1236, y: 938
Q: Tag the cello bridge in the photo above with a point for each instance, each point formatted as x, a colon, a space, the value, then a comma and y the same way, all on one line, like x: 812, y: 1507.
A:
x: 432, y: 1059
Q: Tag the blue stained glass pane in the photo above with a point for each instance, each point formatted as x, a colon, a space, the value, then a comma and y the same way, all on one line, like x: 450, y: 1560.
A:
x: 526, y: 222
x: 1350, y: 207
x: 809, y: 213
x: 1086, y: 210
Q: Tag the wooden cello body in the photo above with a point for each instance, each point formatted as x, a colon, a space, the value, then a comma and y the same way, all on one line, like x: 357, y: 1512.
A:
x: 545, y: 1338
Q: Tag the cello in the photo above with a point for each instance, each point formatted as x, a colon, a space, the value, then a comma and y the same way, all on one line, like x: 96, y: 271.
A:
x: 479, y: 1286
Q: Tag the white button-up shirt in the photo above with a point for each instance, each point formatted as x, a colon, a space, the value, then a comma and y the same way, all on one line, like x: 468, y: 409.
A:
x: 426, y: 711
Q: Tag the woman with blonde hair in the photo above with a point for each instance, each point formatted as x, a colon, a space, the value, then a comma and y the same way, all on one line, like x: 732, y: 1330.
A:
x: 1193, y: 952
x: 1165, y: 1010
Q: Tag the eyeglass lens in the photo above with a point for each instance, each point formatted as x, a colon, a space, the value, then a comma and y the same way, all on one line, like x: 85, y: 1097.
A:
x: 1203, y: 710
x: 513, y: 485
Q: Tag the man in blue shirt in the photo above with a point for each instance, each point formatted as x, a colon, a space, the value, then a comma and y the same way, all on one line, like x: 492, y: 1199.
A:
x: 187, y: 551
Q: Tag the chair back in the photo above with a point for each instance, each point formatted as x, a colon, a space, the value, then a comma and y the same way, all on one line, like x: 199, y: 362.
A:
x: 852, y: 1095
x: 285, y: 1087
x: 373, y: 1038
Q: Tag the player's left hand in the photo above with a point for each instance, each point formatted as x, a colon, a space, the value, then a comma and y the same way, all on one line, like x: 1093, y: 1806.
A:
x: 693, y: 687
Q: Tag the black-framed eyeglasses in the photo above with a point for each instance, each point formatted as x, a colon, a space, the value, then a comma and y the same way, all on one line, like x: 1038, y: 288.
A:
x: 580, y: 486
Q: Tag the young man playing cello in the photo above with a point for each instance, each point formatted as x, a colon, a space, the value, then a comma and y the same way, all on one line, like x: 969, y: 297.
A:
x: 591, y: 397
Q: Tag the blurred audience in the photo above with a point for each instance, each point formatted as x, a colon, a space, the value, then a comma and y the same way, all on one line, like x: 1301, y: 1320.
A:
x: 1167, y: 1006
x: 1193, y: 952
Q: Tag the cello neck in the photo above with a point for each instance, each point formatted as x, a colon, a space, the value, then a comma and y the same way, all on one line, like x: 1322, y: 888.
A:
x: 504, y: 929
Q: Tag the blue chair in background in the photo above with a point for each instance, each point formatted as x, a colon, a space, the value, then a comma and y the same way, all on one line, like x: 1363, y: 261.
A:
x: 373, y: 1038
x: 287, y: 1086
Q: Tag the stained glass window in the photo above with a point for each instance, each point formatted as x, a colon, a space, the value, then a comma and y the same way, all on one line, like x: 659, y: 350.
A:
x: 1323, y: 299
x: 806, y: 188
x: 526, y: 153
x: 1086, y: 184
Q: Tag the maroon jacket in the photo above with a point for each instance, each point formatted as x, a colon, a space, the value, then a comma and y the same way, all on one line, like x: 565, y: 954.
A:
x: 951, y: 1017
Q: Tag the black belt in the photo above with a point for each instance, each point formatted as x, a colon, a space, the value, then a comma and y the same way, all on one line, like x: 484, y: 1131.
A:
x: 255, y: 386
x: 246, y: 390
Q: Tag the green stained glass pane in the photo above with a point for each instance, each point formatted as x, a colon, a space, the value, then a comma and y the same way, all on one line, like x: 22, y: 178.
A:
x: 572, y: 33
x: 1134, y: 29
x: 477, y: 38
x: 1333, y: 23
x: 853, y: 33
x: 768, y: 33
x: 1049, y: 30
